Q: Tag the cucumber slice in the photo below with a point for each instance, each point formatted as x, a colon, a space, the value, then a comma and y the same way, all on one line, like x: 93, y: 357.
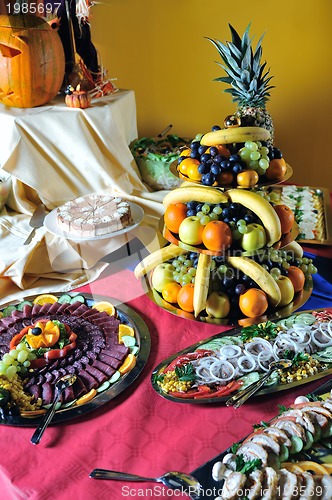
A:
x: 22, y: 304
x: 305, y: 319
x: 57, y: 406
x: 63, y: 299
x: 309, y: 440
x: 67, y: 405
x: 104, y: 386
x: 289, y: 322
x: 297, y: 445
x: 114, y: 377
x: 248, y: 379
x: 234, y: 340
x: 273, y: 379
x: 134, y: 350
x: 128, y: 340
x: 284, y: 453
x: 8, y: 310
x: 77, y: 298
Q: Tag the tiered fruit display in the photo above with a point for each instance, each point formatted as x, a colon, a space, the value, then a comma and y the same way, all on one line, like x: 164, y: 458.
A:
x: 243, y: 153
x: 232, y: 253
x: 233, y: 156
x: 212, y: 221
x: 228, y: 286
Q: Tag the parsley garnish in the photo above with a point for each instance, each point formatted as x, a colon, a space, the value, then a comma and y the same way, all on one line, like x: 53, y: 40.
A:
x: 158, y: 378
x: 247, y: 467
x: 267, y: 329
x: 185, y: 372
x: 261, y: 425
x: 282, y: 409
x: 295, y: 358
x: 235, y: 447
x: 314, y: 397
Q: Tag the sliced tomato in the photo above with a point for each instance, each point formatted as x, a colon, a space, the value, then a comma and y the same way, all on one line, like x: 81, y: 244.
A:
x: 18, y: 337
x: 186, y: 358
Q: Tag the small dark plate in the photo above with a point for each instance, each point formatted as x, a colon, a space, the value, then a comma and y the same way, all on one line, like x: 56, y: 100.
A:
x: 233, y: 333
x: 203, y: 473
x: 127, y: 316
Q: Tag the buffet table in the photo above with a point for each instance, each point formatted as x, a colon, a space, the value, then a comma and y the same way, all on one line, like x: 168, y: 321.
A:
x: 138, y: 431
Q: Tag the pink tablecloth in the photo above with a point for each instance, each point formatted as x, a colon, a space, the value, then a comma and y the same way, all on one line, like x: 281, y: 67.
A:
x: 138, y: 432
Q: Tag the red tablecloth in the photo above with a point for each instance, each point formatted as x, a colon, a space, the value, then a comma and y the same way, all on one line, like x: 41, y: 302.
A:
x: 138, y: 432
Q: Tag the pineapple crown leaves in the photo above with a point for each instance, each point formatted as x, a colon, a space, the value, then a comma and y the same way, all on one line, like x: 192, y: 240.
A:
x: 248, y: 77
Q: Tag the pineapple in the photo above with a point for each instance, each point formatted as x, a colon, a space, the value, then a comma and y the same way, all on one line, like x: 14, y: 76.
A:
x: 248, y: 78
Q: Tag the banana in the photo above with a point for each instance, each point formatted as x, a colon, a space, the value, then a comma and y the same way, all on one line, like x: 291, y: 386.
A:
x: 201, y: 194
x: 233, y: 135
x: 257, y: 273
x: 157, y: 257
x: 262, y: 208
x: 202, y: 280
x: 294, y: 247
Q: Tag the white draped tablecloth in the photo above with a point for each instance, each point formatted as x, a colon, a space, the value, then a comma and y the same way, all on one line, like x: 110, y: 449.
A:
x: 54, y: 154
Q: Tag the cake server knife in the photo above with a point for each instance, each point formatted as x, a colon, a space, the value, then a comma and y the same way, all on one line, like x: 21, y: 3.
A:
x: 36, y: 221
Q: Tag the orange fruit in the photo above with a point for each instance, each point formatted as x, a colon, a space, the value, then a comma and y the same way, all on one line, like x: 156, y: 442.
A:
x: 286, y: 217
x: 276, y: 169
x: 45, y: 298
x: 217, y: 236
x: 253, y: 302
x: 185, y: 297
x: 185, y: 152
x: 225, y: 178
x: 297, y: 277
x: 186, y: 163
x: 193, y: 173
x: 174, y: 215
x: 247, y: 178
x: 170, y: 292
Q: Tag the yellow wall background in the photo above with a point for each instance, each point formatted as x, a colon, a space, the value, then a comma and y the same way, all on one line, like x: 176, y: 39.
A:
x: 158, y: 49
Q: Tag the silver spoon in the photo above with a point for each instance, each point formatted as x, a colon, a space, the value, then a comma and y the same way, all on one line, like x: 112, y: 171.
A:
x: 238, y: 400
x: 60, y: 386
x: 174, y: 480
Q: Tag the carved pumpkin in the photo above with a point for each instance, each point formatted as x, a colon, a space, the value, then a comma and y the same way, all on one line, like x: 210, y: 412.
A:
x: 32, y: 61
x: 78, y: 99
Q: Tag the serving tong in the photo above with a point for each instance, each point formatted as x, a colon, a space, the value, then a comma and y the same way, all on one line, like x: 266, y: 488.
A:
x: 241, y: 397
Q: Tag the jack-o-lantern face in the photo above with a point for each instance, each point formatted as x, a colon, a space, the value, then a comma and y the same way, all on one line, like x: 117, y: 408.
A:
x: 32, y: 61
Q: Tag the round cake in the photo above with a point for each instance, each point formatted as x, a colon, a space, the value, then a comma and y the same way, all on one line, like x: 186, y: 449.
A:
x: 93, y: 215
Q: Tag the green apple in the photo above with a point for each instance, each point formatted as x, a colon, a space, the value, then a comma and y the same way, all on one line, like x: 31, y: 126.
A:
x: 218, y: 305
x: 255, y: 238
x: 286, y: 289
x: 191, y: 230
x: 162, y: 274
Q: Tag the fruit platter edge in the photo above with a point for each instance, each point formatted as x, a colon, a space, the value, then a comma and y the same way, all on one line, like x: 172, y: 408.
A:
x: 300, y: 299
x: 173, y: 238
x: 143, y: 339
x: 232, y: 332
x: 204, y: 473
x: 173, y: 169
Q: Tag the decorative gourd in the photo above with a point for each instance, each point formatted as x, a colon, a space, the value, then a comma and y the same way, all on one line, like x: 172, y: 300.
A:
x: 32, y: 61
x: 77, y: 98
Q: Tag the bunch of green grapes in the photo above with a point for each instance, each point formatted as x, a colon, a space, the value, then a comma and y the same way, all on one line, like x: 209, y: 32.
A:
x: 16, y: 361
x: 255, y: 156
x: 185, y: 267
